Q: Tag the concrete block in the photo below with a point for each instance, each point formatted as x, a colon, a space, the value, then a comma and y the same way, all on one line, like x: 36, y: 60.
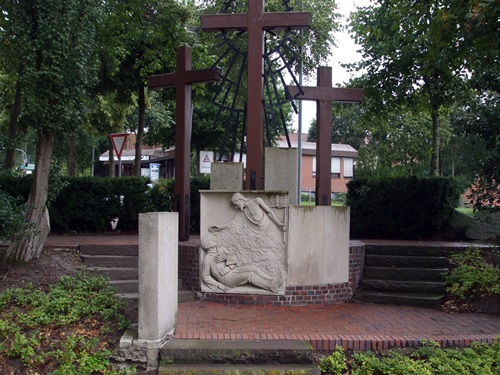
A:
x: 318, y: 245
x: 158, y: 280
x: 281, y: 171
x: 226, y: 176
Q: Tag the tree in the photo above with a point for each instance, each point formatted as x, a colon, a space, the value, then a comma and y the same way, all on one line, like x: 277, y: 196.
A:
x: 56, y: 40
x: 414, y: 51
x: 148, y: 33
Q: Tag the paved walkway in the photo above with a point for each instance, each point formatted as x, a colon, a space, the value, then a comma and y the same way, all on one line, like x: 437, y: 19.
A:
x: 352, y: 325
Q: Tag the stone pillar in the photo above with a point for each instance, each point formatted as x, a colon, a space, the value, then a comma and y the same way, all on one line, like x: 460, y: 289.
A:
x: 158, y: 280
x: 281, y: 171
x: 226, y: 176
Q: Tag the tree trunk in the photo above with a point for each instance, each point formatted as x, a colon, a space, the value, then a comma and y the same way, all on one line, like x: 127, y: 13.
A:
x: 111, y: 160
x: 14, y: 116
x: 72, y: 155
x: 28, y: 249
x: 140, y: 130
x: 436, y: 140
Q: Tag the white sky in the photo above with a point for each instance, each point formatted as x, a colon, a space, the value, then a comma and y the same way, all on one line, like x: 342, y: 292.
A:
x: 345, y: 52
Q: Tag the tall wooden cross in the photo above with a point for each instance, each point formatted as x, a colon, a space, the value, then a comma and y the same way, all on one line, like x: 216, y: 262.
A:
x: 255, y: 22
x: 325, y: 95
x: 182, y: 80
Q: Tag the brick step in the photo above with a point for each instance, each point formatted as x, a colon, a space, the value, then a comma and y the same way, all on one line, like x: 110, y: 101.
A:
x: 237, y: 352
x: 405, y: 250
x: 239, y: 369
x: 397, y: 273
x: 433, y: 301
x: 406, y: 261
x: 405, y: 286
x: 110, y: 260
x: 131, y: 250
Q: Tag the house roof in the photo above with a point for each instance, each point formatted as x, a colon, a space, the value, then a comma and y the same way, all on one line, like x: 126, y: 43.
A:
x: 309, y: 148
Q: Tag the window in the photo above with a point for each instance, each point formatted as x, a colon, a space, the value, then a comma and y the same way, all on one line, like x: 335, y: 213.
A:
x: 348, y: 167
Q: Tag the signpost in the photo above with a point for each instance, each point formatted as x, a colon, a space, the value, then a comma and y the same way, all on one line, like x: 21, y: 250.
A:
x: 118, y: 141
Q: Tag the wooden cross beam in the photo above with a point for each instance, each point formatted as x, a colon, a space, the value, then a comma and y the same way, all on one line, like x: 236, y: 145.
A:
x: 325, y: 95
x: 182, y: 80
x: 255, y: 22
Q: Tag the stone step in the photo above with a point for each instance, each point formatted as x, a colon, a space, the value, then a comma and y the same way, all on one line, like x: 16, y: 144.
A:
x: 405, y: 261
x: 132, y: 250
x: 433, y: 301
x: 125, y: 286
x: 110, y: 261
x: 116, y: 273
x: 405, y: 250
x: 266, y: 369
x: 182, y: 297
x: 397, y: 273
x: 405, y: 286
x: 240, y: 352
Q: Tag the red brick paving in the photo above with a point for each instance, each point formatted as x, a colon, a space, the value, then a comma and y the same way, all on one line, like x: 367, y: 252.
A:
x: 351, y: 325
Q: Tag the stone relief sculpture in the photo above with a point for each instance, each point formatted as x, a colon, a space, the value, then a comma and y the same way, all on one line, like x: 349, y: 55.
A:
x: 248, y: 250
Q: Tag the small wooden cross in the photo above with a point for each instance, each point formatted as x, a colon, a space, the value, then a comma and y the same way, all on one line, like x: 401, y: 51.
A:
x: 182, y: 80
x: 255, y: 22
x: 325, y: 95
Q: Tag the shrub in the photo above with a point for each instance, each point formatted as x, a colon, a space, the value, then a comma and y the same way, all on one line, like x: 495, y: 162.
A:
x: 13, y: 223
x: 471, y: 274
x: 401, y: 207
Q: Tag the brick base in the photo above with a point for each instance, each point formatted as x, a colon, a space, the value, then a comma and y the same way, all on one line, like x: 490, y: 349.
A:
x: 295, y: 295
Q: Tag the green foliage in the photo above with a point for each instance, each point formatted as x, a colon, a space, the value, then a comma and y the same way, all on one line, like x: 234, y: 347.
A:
x: 13, y: 224
x: 429, y: 359
x: 335, y: 363
x: 471, y: 274
x: 89, y: 204
x: 33, y: 324
x: 401, y: 207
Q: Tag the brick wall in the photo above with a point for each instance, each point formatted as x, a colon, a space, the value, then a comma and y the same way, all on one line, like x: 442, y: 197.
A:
x: 189, y: 272
x: 309, y: 181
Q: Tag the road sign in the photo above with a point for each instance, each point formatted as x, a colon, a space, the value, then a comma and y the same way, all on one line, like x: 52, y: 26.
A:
x: 206, y: 159
x: 118, y: 141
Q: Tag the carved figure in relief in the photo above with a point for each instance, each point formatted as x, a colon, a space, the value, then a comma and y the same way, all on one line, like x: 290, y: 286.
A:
x: 222, y: 270
x: 255, y: 212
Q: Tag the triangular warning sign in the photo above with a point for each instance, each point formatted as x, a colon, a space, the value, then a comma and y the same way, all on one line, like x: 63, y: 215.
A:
x: 206, y: 159
x: 118, y: 141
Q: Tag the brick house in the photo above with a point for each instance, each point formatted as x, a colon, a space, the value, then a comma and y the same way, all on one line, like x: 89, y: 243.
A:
x: 343, y: 157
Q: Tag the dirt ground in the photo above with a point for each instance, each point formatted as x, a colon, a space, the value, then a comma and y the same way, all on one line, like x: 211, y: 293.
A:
x: 42, y: 272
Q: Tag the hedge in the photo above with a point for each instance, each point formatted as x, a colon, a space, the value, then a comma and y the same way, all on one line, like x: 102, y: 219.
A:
x: 401, y: 207
x: 88, y: 204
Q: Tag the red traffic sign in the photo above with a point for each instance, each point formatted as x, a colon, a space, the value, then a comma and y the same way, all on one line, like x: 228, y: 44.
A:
x: 118, y: 141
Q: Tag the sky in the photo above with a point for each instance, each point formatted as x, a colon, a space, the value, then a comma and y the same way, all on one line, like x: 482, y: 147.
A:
x: 344, y: 53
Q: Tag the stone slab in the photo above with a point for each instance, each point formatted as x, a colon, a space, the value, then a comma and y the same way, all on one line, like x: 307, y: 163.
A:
x: 318, y: 248
x: 281, y: 172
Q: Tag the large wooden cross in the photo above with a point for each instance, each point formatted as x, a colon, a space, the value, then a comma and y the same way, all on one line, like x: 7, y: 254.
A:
x: 325, y: 95
x: 182, y: 80
x: 255, y: 22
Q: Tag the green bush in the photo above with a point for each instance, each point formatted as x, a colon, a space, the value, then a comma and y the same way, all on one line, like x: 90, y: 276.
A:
x: 66, y: 328
x: 401, y: 207
x: 88, y: 204
x: 479, y: 359
x: 13, y: 224
x: 471, y: 274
